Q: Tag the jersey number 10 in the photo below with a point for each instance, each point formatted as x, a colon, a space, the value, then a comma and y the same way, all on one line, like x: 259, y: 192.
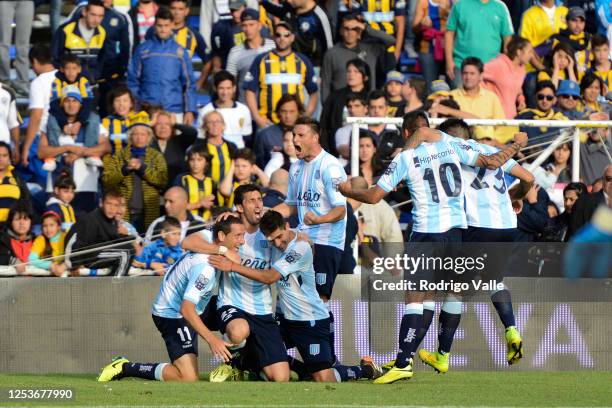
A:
x: 451, y: 191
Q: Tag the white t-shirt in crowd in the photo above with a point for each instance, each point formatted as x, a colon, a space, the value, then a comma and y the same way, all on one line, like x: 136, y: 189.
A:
x: 237, y: 122
x: 550, y: 12
x: 40, y: 95
x: 9, y: 118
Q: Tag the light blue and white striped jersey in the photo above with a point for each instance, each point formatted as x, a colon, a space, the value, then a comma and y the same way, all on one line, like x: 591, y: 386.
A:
x: 248, y: 295
x: 433, y: 174
x: 313, y: 186
x: 190, y: 278
x: 297, y: 291
x: 487, y: 203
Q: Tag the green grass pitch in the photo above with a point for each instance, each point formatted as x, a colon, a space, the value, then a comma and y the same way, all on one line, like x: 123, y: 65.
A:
x: 584, y: 388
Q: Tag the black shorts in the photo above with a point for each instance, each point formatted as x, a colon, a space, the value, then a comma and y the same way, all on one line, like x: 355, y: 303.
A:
x: 311, y: 338
x: 179, y: 336
x: 496, y: 266
x: 478, y: 234
x: 264, y: 339
x: 326, y: 264
x: 431, y: 245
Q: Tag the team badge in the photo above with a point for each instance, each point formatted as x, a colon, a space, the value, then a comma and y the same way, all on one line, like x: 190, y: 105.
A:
x: 170, y: 261
x: 336, y: 181
x: 12, y: 181
x: 292, y: 256
x: 314, y: 349
x: 283, y: 66
x: 320, y: 278
x: 114, y: 21
x: 201, y: 282
x: 305, y: 26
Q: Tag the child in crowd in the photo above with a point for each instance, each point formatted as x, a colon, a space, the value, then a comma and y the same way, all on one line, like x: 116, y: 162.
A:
x: 393, y: 91
x: 164, y: 251
x: 49, y: 245
x: 115, y: 125
x: 59, y: 203
x: 16, y: 238
x: 201, y: 190
x: 242, y: 171
x: 602, y: 65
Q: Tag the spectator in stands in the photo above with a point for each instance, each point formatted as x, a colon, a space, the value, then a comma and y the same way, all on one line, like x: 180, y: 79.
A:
x: 221, y: 151
x: 242, y: 171
x: 585, y: 206
x: 413, y: 92
x: 40, y: 96
x: 592, y: 89
x: 559, y: 164
x: 313, y: 35
x: 590, y: 13
x: 84, y: 38
x: 121, y: 105
x: 546, y: 100
x: 22, y: 13
x: 370, y: 164
x: 95, y: 230
x: 358, y: 77
x: 16, y: 237
x: 560, y: 64
x: 201, y: 190
x: 579, y: 40
x: 539, y: 23
x: 175, y: 203
x: 50, y: 244
x: 190, y: 40
x: 163, y: 252
x: 357, y: 106
x: 139, y: 172
x: 284, y: 158
x: 568, y: 97
x: 290, y: 72
x: 142, y: 17
x: 241, y: 56
x: 161, y: 72
x: 358, y: 40
x: 504, y: 75
x: 393, y: 91
x: 533, y: 218
x: 237, y: 117
x: 602, y: 61
x: 12, y: 187
x: 386, y: 136
x: 225, y: 34
x: 63, y: 194
x: 429, y: 25
x: 475, y: 28
x: 10, y: 121
x: 289, y: 108
x: 593, y: 157
x: 117, y: 51
x: 172, y: 140
x: 560, y: 224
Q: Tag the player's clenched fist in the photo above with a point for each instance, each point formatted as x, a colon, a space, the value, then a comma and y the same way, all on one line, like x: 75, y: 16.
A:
x: 521, y: 139
x: 310, y: 218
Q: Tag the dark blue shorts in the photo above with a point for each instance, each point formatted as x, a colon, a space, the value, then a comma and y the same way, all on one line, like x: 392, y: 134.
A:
x: 326, y: 264
x: 497, y: 266
x: 312, y: 341
x: 478, y: 234
x: 431, y: 245
x: 264, y: 339
x: 179, y: 336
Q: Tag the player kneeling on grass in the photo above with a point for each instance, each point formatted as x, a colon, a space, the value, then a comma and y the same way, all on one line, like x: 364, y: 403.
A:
x: 305, y: 323
x: 183, y: 310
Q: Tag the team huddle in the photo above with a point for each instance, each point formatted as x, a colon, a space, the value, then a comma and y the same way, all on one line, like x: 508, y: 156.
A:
x: 223, y: 280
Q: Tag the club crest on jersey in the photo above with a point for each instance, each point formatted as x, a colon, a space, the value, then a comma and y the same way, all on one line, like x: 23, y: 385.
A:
x: 336, y: 181
x: 390, y: 168
x: 314, y: 349
x: 292, y: 256
x: 201, y: 282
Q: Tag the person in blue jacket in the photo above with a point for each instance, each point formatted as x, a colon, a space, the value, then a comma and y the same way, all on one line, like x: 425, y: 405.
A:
x: 162, y: 253
x: 161, y: 73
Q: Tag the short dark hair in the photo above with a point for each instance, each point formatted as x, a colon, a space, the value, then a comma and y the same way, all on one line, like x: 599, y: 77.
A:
x: 472, y: 61
x: 579, y: 188
x: 116, y: 92
x: 356, y: 97
x: 598, y: 40
x: 98, y: 3
x: 313, y: 124
x: 588, y: 80
x: 350, y: 17
x: 271, y: 221
x: 376, y: 94
x: 454, y: 123
x: 245, y: 154
x: 170, y: 223
x: 69, y: 59
x: 64, y: 180
x: 410, y: 120
x: 112, y: 193
x: 225, y: 225
x: 221, y: 75
x: 545, y: 84
x: 201, y: 150
x: 7, y: 147
x: 243, y: 189
x: 40, y: 53
x: 187, y: 2
x: 287, y: 98
x: 163, y: 14
x: 420, y: 86
x: 363, y: 68
x: 23, y: 207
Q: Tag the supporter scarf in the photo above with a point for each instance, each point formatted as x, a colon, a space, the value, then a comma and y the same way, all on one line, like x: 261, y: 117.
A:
x: 138, y: 152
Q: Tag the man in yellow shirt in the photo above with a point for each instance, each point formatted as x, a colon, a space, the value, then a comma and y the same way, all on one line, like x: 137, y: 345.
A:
x: 475, y: 102
x: 539, y: 22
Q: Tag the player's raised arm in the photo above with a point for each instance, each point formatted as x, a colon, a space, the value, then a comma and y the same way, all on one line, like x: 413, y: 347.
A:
x: 217, y: 346
x: 497, y: 160
x: 369, y: 196
x: 267, y: 276
x: 519, y: 191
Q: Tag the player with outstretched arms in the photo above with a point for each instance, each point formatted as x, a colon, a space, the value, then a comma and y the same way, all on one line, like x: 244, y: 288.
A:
x: 183, y: 310
x: 432, y: 172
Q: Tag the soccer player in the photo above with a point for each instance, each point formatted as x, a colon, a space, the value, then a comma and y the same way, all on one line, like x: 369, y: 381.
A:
x: 182, y: 311
x: 245, y: 305
x: 438, y: 213
x: 313, y: 195
x: 305, y: 319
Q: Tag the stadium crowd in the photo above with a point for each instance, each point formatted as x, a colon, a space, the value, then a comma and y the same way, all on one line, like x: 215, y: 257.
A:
x: 128, y: 144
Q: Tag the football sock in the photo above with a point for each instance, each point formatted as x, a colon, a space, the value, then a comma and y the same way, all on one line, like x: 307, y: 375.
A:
x: 503, y: 304
x: 346, y: 373
x: 297, y: 366
x: 428, y: 313
x: 332, y: 336
x: 147, y: 371
x: 411, y: 322
x: 450, y: 316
